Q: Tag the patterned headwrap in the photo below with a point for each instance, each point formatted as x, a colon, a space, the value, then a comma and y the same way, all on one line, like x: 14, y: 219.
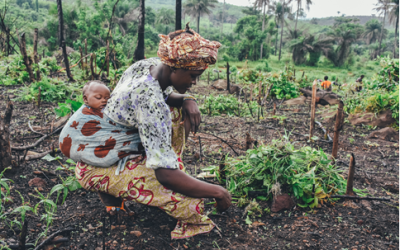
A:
x: 187, y: 51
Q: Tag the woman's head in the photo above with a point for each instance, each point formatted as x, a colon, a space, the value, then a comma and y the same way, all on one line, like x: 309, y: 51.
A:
x: 185, y: 49
x: 183, y: 79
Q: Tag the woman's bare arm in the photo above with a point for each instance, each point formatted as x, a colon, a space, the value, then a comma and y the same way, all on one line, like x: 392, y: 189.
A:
x: 180, y: 182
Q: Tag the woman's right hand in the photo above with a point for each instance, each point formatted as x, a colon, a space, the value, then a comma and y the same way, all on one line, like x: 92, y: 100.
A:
x: 224, y: 201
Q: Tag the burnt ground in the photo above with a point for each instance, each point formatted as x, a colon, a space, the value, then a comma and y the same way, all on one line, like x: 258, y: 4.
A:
x: 373, y: 225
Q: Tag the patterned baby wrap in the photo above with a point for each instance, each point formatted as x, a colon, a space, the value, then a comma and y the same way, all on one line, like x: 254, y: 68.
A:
x: 93, y: 138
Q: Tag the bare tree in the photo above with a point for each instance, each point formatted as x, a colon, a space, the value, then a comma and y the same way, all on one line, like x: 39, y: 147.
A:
x: 5, y: 147
x: 262, y: 4
x: 178, y: 15
x: 382, y: 8
x: 139, y: 51
x: 61, y: 41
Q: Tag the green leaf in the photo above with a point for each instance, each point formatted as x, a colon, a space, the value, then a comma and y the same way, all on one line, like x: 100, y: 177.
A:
x: 74, y: 105
x: 50, y: 158
x: 248, y: 221
x: 70, y: 161
x: 56, y: 188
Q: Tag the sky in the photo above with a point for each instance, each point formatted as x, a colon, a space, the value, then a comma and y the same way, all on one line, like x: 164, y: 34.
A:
x: 326, y: 8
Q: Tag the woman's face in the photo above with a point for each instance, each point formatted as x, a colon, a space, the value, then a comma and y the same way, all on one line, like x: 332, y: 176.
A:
x: 182, y: 79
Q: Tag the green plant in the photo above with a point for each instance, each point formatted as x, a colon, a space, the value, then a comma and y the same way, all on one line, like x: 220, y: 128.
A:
x: 50, y: 208
x: 70, y: 184
x: 305, y: 172
x: 217, y: 105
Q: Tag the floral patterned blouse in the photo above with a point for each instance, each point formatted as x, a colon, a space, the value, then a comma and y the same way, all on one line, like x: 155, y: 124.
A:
x: 137, y: 101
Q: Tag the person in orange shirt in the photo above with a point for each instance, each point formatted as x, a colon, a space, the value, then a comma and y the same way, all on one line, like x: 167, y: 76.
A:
x: 326, y: 85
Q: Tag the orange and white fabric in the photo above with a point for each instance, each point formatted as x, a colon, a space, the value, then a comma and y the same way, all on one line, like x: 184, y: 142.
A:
x: 187, y: 51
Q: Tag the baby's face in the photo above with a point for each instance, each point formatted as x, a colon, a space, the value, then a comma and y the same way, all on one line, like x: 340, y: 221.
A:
x: 96, y: 96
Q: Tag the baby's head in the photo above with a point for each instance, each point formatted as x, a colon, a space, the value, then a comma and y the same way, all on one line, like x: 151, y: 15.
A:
x: 96, y: 94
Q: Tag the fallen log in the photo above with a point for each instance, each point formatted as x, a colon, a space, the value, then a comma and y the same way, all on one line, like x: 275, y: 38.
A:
x: 323, y: 97
x: 359, y: 198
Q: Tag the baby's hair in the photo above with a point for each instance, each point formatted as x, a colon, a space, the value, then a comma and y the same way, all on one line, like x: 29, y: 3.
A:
x: 326, y: 78
x: 87, y: 85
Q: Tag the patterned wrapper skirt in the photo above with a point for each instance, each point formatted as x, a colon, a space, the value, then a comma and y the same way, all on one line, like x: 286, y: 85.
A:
x: 138, y: 183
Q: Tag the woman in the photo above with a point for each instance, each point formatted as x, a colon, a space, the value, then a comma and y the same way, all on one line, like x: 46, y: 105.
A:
x: 143, y: 99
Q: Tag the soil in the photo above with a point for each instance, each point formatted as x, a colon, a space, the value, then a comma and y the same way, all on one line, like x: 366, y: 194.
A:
x: 336, y: 225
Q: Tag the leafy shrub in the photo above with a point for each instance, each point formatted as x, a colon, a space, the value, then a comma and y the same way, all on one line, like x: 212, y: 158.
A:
x: 217, y: 105
x: 51, y: 90
x: 305, y: 172
x: 282, y: 87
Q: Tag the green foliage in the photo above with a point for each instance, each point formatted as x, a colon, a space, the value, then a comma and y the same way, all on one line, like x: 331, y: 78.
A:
x: 283, y: 88
x: 305, y: 172
x: 51, y: 90
x: 217, y: 105
x: 382, y: 93
x: 65, y: 108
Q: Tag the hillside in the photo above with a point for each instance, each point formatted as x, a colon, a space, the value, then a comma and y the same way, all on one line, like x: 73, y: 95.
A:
x: 328, y: 21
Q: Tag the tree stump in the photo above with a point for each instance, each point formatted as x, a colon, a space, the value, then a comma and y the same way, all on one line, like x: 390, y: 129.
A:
x: 5, y: 146
x: 27, y: 59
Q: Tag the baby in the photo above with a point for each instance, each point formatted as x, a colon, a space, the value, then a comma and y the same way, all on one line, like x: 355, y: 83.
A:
x: 93, y: 138
x: 96, y: 94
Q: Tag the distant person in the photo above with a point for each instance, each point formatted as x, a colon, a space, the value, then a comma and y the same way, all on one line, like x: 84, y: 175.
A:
x: 326, y: 85
x: 359, y: 83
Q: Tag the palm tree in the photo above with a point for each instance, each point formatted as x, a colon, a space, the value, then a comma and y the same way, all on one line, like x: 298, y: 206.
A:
x: 262, y: 4
x: 372, y: 31
x: 299, y: 3
x: 281, y: 9
x: 394, y: 19
x: 165, y: 17
x: 139, y: 51
x: 344, y: 35
x: 308, y: 44
x: 178, y: 15
x: 197, y: 8
x: 382, y: 7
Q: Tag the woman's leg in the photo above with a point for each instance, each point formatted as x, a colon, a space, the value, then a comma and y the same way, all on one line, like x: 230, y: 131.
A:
x: 139, y: 183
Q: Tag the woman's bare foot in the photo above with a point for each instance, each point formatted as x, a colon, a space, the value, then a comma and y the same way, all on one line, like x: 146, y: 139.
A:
x: 111, y: 201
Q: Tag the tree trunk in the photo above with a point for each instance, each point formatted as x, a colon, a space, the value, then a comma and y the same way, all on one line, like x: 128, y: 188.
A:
x: 276, y: 43
x: 222, y: 21
x: 27, y: 59
x: 395, y: 36
x: 228, y: 83
x: 5, y: 147
x: 8, y: 42
x: 297, y: 17
x: 61, y: 39
x: 178, y: 15
x: 262, y: 29
x: 80, y: 52
x: 198, y: 22
x: 280, y: 43
x: 107, y: 58
x: 382, y: 29
x: 35, y: 53
x: 139, y: 51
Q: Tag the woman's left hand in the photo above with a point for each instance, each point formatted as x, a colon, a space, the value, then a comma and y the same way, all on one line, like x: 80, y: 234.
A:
x: 191, y: 111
